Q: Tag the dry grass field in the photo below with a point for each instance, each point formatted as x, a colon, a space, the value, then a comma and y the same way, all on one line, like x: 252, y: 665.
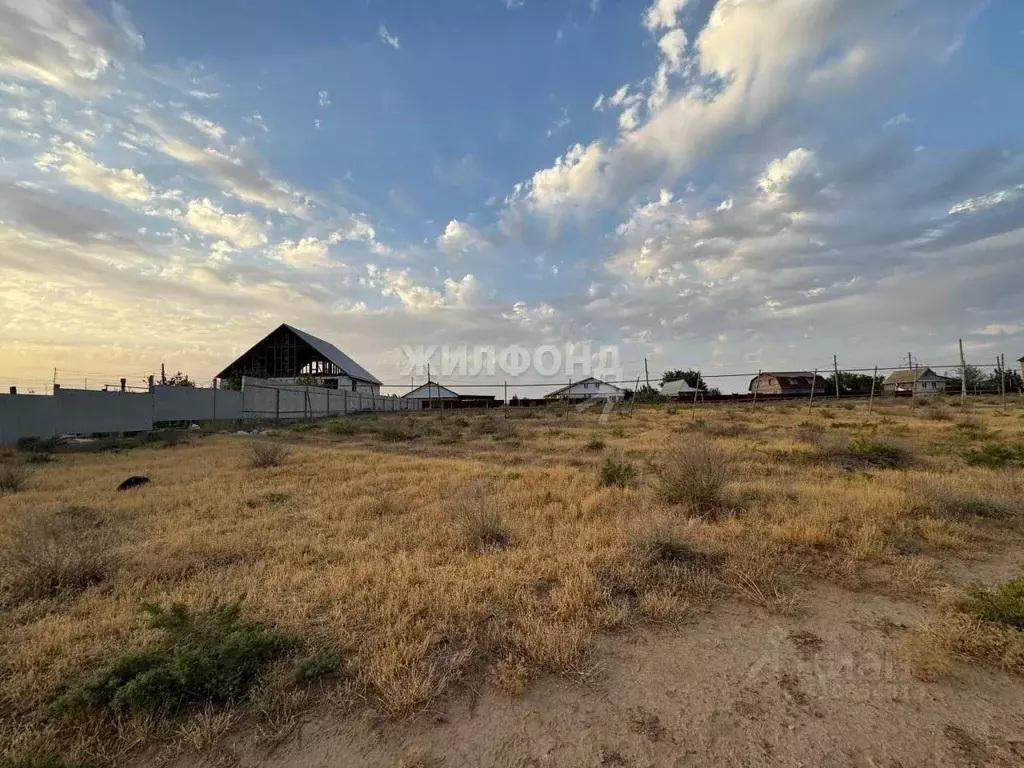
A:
x: 383, y: 565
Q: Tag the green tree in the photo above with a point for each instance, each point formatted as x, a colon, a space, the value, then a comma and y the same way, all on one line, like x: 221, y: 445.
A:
x: 851, y: 383
x: 180, y: 380
x: 974, y: 377
x: 693, y: 378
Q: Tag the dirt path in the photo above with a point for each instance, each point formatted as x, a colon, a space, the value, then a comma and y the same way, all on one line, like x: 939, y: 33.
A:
x: 737, y: 688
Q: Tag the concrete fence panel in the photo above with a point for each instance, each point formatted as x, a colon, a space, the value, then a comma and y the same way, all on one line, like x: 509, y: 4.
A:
x: 196, y: 404
x: 82, y: 411
x: 27, y: 416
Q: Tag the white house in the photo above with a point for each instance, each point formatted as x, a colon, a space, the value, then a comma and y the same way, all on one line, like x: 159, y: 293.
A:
x: 676, y: 388
x: 588, y: 389
x: 431, y: 391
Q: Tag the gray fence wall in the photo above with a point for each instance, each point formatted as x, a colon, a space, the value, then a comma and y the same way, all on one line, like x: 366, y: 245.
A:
x: 188, y: 404
x: 78, y: 411
x: 265, y: 399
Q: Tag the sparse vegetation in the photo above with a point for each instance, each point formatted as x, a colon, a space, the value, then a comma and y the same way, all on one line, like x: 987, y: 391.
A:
x: 995, y: 456
x: 394, y: 432
x: 501, y: 565
x: 316, y: 666
x: 693, y: 472
x: 1002, y: 604
x: 46, y: 554
x: 13, y: 475
x: 264, y: 454
x: 618, y: 473
x: 203, y: 658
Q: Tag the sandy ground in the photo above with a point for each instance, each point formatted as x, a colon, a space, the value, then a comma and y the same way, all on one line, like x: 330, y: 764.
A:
x: 738, y: 687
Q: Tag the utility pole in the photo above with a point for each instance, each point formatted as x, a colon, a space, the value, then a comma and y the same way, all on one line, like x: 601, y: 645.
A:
x: 835, y: 368
x: 910, y: 361
x: 874, y: 379
x: 814, y: 380
x: 963, y: 377
x: 163, y: 374
x: 647, y: 376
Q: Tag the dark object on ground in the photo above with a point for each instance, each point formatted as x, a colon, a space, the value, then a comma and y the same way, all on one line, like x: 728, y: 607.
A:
x: 133, y: 482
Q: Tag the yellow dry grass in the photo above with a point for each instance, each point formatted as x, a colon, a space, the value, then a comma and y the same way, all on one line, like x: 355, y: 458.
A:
x: 367, y: 545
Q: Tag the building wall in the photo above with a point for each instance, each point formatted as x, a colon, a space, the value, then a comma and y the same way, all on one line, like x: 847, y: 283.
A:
x: 591, y: 389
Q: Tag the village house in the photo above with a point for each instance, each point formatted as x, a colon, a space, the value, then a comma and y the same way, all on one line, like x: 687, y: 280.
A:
x: 588, y: 389
x: 788, y: 383
x: 918, y: 381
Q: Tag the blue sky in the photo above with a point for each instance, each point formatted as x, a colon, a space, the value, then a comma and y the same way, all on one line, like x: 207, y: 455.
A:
x: 728, y: 185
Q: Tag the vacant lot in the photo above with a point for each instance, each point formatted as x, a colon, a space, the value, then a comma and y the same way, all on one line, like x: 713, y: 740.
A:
x: 381, y: 568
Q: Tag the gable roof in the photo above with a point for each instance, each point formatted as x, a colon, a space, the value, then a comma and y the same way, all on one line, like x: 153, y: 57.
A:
x: 435, y: 389
x: 324, y: 349
x: 909, y: 376
x: 583, y: 381
x: 353, y: 369
x: 670, y: 388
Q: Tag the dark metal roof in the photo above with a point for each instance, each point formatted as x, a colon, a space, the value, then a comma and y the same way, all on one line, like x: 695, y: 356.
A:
x: 352, y: 369
x: 324, y: 349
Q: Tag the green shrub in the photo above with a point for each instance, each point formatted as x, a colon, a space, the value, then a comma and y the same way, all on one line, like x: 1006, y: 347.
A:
x: 343, y: 427
x: 317, y: 665
x: 265, y: 454
x: 203, y: 659
x: 876, y: 453
x: 594, y: 444
x: 616, y: 473
x: 995, y: 455
x: 38, y: 444
x: 617, y: 431
x: 397, y: 433
x: 827, y: 413
x: 1003, y: 604
x: 694, y: 472
x: 13, y: 476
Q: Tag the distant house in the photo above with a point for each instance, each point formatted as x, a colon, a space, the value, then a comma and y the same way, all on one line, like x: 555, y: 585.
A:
x: 918, y: 381
x: 588, y: 389
x: 787, y: 383
x: 434, y: 395
x: 676, y: 388
x: 431, y: 391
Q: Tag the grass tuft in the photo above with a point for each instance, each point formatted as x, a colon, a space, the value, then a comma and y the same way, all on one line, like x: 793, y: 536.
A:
x: 619, y: 474
x: 211, y: 658
x: 265, y: 454
x: 595, y: 444
x: 46, y: 555
x: 316, y: 666
x: 995, y: 456
x: 13, y: 476
x: 694, y: 472
x: 1002, y: 604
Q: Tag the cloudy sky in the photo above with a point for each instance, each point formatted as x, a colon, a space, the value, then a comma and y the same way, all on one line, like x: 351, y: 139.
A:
x: 729, y: 185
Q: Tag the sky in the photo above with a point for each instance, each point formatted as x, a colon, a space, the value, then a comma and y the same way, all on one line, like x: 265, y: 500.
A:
x: 732, y: 186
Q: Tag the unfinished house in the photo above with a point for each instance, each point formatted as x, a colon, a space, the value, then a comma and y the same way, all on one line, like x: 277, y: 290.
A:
x: 290, y: 356
x: 788, y: 383
x: 918, y: 381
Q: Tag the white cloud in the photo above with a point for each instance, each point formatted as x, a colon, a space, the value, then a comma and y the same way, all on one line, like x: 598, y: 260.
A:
x: 982, y: 202
x: 750, y: 60
x: 780, y: 174
x: 309, y: 252
x: 900, y: 119
x: 208, y: 128
x: 121, y: 184
x: 560, y: 123
x: 241, y: 229
x: 387, y: 38
x: 664, y: 13
x: 459, y: 237
x: 203, y: 95
x: 63, y: 43
x: 317, y: 123
x: 323, y: 98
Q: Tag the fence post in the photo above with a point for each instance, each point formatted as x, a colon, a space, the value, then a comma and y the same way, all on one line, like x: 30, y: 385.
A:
x: 506, y: 398
x: 963, y: 378
x: 693, y: 408
x: 277, y: 405
x: 871, y: 401
x: 632, y: 400
x: 214, y: 399
x: 757, y: 386
x: 568, y: 397
x: 814, y: 380
x: 913, y: 390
